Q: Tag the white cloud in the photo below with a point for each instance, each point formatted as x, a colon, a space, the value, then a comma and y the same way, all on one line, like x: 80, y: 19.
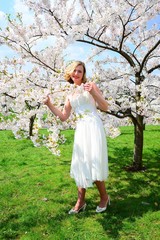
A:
x: 2, y: 20
x: 20, y: 7
x: 2, y: 14
x: 77, y: 51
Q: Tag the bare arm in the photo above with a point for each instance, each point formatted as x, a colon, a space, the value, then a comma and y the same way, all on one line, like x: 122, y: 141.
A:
x: 97, y: 95
x: 63, y: 115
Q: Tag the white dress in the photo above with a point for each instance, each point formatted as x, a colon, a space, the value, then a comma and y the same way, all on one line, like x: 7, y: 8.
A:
x: 89, y: 158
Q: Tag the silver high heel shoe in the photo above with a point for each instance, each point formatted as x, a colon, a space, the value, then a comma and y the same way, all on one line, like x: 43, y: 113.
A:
x: 100, y: 210
x: 72, y: 211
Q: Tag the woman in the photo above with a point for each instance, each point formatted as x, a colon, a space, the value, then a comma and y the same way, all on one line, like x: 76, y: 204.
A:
x: 89, y: 159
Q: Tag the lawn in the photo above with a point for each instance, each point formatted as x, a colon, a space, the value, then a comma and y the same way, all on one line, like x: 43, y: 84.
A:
x: 37, y: 192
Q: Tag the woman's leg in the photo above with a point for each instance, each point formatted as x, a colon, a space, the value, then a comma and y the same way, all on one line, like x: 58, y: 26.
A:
x: 81, y: 198
x: 103, y: 194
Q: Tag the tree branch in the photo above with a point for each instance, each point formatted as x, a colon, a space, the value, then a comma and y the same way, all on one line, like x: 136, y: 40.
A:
x: 154, y: 68
x: 107, y: 46
x: 37, y: 85
x: 8, y: 95
x: 147, y: 55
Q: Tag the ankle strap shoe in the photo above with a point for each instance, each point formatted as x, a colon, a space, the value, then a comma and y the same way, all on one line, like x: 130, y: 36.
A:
x: 81, y: 209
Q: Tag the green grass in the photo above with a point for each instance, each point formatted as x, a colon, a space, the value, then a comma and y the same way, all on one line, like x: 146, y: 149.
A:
x: 37, y: 192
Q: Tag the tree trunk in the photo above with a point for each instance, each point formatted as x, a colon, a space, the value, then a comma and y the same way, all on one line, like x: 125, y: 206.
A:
x: 31, y: 123
x: 138, y: 144
x: 139, y: 127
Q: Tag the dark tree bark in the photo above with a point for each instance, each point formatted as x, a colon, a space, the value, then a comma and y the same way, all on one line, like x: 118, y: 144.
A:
x: 31, y: 123
x: 138, y: 145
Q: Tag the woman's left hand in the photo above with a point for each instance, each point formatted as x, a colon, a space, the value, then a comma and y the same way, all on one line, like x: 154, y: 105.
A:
x: 92, y: 88
x: 88, y: 87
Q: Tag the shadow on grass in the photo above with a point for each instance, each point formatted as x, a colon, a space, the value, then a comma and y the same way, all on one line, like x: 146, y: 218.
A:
x: 125, y: 210
x: 151, y: 155
x: 132, y: 194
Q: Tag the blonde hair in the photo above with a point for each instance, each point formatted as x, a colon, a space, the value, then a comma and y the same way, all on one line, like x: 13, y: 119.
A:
x: 69, y: 70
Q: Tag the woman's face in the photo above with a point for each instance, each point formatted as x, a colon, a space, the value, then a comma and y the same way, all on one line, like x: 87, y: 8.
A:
x: 77, y: 75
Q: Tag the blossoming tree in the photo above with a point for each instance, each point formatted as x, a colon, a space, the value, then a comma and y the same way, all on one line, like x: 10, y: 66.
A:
x: 122, y: 32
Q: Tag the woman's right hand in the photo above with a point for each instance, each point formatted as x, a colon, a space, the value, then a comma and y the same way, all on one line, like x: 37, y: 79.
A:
x: 47, y: 100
